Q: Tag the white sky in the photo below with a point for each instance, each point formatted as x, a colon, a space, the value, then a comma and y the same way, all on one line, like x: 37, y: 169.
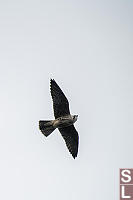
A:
x: 87, y: 47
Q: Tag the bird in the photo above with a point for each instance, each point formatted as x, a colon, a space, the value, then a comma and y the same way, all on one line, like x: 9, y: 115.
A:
x: 63, y: 121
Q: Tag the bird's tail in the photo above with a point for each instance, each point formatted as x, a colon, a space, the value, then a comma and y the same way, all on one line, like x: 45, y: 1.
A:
x: 46, y: 127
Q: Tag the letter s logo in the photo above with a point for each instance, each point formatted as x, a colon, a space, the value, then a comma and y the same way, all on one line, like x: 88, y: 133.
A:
x: 125, y: 173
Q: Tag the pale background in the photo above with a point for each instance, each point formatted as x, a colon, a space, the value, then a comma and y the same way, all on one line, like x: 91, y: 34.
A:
x: 87, y: 47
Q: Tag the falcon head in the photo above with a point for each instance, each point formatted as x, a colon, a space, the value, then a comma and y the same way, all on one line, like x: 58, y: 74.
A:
x: 75, y: 117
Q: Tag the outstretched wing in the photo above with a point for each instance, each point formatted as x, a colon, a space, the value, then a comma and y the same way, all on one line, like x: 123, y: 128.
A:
x: 60, y: 102
x: 71, y: 138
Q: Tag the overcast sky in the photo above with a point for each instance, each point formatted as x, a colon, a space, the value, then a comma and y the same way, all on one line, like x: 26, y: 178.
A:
x: 87, y: 47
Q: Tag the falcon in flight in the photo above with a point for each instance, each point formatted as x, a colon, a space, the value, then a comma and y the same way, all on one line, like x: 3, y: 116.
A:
x: 63, y: 120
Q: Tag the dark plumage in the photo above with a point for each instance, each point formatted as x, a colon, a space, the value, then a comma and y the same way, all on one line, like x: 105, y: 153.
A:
x: 60, y: 102
x: 63, y: 120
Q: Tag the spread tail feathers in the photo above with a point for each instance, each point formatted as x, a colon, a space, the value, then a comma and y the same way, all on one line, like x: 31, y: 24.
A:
x: 46, y: 127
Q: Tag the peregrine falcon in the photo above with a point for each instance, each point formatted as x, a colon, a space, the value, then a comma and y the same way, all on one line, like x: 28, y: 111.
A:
x: 63, y: 120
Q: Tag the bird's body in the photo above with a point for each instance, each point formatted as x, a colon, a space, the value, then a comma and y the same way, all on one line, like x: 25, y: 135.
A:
x: 63, y: 120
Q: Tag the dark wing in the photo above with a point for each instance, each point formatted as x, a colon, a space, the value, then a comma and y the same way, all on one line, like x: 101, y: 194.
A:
x: 60, y: 102
x: 71, y: 138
